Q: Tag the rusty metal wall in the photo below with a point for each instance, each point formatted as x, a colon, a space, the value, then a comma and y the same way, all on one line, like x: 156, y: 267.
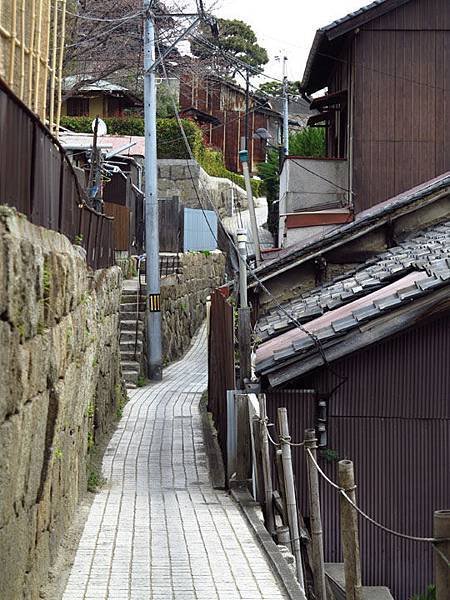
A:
x: 38, y: 180
x: 221, y: 369
x: 392, y: 418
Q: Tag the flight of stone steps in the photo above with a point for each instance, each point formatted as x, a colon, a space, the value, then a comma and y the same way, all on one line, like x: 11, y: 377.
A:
x: 131, y: 336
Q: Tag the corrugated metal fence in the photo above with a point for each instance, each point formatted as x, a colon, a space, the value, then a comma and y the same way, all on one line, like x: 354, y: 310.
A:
x: 38, y: 180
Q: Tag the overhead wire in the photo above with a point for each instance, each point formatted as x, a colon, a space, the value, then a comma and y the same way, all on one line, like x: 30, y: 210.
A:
x: 312, y: 336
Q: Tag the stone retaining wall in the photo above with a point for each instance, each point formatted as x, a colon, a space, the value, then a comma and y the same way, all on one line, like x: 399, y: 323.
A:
x: 183, y: 299
x: 60, y: 390
x: 183, y: 177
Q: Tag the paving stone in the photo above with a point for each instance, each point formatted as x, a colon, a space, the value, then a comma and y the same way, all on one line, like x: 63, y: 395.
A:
x: 158, y: 530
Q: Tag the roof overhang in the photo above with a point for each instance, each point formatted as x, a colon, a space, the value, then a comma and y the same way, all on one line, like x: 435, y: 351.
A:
x: 330, y: 40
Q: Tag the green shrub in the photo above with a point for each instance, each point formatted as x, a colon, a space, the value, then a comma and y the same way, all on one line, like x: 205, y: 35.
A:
x: 170, y: 142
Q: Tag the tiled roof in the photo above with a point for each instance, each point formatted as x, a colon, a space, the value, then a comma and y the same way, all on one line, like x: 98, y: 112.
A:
x: 418, y: 266
x: 374, y: 216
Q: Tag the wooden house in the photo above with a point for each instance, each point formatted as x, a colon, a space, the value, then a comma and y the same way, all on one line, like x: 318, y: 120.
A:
x: 384, y: 69
x: 219, y: 107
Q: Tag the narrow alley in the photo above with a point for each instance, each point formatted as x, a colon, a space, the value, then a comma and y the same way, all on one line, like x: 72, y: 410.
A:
x: 158, y: 530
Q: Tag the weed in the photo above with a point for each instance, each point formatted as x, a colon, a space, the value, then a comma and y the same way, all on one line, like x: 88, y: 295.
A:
x: 90, y: 441
x: 430, y: 594
x: 328, y: 454
x: 95, y: 361
x: 141, y: 381
x: 58, y: 453
x: 90, y: 410
x: 46, y: 280
x: 95, y: 481
x: 121, y: 400
x: 78, y: 240
x: 205, y: 253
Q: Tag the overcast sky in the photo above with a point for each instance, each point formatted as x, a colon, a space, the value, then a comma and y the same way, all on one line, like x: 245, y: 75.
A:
x: 286, y: 26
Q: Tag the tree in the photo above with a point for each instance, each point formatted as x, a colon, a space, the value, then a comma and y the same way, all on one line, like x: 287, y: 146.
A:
x: 236, y: 38
x: 275, y: 88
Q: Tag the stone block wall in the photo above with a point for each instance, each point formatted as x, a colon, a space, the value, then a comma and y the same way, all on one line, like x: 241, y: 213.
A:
x: 183, y: 299
x: 60, y: 390
x: 183, y: 178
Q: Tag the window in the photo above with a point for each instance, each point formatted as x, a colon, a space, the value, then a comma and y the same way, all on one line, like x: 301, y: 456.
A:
x: 78, y: 107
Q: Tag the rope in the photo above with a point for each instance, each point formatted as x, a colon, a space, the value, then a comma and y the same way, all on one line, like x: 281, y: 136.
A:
x: 343, y: 493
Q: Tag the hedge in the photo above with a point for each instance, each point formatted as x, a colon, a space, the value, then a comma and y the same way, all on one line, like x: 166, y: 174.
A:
x: 170, y: 142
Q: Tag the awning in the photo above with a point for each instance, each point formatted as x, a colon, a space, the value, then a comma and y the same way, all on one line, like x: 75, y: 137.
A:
x: 320, y: 119
x: 334, y: 99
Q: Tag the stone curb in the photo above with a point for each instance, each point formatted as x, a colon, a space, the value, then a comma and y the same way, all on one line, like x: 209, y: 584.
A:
x: 277, y: 562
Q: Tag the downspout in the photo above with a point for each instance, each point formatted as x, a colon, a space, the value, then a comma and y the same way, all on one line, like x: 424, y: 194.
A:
x: 350, y: 125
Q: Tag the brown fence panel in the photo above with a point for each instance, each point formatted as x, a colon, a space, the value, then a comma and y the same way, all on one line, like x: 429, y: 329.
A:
x: 16, y: 150
x: 221, y: 369
x: 37, y: 179
x: 169, y: 224
x: 121, y: 234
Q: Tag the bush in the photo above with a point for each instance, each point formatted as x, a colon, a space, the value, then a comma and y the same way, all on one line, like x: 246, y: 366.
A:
x: 212, y: 162
x: 170, y: 142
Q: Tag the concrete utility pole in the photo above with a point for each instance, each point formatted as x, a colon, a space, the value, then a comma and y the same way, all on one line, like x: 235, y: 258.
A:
x: 153, y: 298
x: 243, y: 157
x: 285, y: 108
x: 442, y: 553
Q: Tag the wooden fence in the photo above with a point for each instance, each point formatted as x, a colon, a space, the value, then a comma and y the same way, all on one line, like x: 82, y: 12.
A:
x: 37, y: 178
x: 221, y: 368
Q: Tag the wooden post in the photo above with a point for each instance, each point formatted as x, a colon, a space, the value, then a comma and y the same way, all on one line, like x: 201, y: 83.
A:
x: 318, y: 563
x: 257, y: 460
x: 349, y: 533
x: 267, y: 474
x: 243, y: 449
x: 291, y: 503
x: 245, y: 335
x: 442, y: 530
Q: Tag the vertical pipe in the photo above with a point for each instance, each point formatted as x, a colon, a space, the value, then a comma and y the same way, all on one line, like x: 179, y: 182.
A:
x: 22, y: 53
x: 441, y: 524
x: 316, y: 519
x: 35, y: 104
x: 349, y: 533
x: 267, y: 473
x: 32, y: 54
x: 60, y: 65
x: 242, y: 247
x: 285, y: 109
x: 13, y: 43
x: 53, y: 69
x: 243, y: 155
x: 153, y: 312
x: 291, y: 503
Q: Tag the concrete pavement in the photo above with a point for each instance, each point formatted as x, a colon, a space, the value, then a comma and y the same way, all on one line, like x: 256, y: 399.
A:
x: 158, y: 530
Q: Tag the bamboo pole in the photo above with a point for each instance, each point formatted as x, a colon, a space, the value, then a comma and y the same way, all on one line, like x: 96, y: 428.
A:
x: 291, y: 503
x: 441, y: 523
x: 60, y: 66
x: 31, y: 54
x: 22, y: 53
x: 35, y: 104
x: 53, y: 71
x: 318, y: 562
x: 349, y: 533
x: 13, y: 43
x: 46, y: 59
x: 267, y: 474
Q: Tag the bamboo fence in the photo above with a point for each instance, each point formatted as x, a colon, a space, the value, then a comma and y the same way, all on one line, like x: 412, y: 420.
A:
x: 32, y: 34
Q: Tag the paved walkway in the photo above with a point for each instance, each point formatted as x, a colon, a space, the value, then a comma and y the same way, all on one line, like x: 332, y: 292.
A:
x: 242, y: 219
x: 158, y: 530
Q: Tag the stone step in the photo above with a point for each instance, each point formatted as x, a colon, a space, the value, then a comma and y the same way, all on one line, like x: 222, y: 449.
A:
x: 130, y: 346
x: 127, y: 297
x: 130, y: 336
x: 130, y: 365
x: 130, y: 377
x: 129, y: 355
x: 131, y: 314
x: 130, y: 325
x: 130, y: 385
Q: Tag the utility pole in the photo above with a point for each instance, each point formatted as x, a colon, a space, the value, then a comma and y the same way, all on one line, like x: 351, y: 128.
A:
x: 244, y: 141
x: 285, y: 108
x: 153, y: 298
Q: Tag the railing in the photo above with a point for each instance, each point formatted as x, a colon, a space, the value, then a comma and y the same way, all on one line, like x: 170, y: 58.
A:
x: 37, y: 178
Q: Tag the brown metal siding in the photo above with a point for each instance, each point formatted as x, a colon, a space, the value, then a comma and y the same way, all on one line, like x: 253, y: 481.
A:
x: 392, y: 418
x: 402, y: 69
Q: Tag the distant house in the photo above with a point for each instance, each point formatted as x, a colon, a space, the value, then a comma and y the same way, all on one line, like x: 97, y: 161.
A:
x: 384, y: 72
x: 101, y: 98
x: 218, y: 106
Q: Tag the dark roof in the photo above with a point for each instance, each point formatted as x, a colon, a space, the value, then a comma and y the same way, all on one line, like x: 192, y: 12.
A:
x: 200, y: 115
x: 415, y: 270
x: 327, y: 41
x: 365, y: 221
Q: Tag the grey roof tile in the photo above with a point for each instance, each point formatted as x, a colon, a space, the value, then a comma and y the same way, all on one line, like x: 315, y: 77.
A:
x: 343, y: 324
x: 366, y: 312
x: 388, y: 302
x: 303, y: 343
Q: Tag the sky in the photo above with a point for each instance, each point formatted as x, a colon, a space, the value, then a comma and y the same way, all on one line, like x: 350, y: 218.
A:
x: 285, y: 27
